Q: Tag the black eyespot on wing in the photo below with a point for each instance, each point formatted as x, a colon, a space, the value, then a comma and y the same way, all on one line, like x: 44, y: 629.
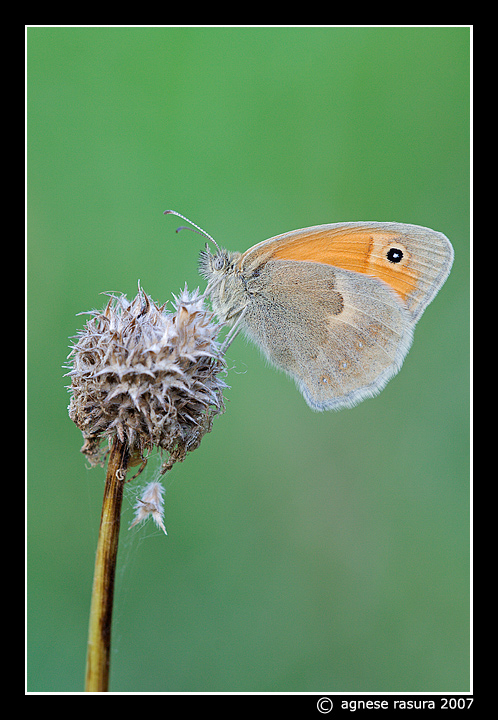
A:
x: 394, y: 255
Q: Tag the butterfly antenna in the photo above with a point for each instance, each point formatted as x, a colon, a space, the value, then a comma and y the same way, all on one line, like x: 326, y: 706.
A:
x: 197, y: 229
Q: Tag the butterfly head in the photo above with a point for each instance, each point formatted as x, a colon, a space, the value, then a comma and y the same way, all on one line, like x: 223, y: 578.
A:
x: 215, y: 266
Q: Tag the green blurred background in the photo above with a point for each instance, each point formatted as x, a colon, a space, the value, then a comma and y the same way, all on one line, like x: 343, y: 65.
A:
x: 306, y: 551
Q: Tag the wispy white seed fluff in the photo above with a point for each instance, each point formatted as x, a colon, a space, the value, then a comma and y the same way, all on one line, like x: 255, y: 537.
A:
x: 150, y: 376
x: 151, y: 503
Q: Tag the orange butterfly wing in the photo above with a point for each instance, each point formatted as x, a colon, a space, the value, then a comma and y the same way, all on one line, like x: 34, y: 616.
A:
x: 414, y: 261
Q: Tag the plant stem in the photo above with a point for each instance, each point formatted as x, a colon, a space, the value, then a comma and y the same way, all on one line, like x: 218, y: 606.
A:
x: 99, y: 632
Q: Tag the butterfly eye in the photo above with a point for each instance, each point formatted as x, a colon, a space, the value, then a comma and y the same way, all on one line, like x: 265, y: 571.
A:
x: 218, y: 262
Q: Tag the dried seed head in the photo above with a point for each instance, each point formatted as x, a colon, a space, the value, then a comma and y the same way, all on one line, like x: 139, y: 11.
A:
x: 149, y: 376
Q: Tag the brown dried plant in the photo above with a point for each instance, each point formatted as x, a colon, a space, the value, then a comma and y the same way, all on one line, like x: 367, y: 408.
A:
x: 141, y: 378
x: 149, y: 377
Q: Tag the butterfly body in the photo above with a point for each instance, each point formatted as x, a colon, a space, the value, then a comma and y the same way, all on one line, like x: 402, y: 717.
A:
x: 334, y: 306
